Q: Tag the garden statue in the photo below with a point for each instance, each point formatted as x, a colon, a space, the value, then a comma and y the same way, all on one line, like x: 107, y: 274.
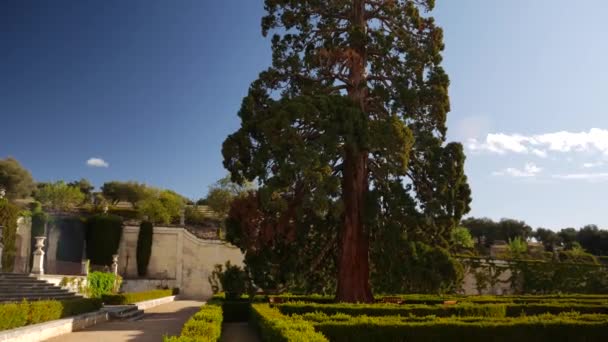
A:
x: 2, y: 193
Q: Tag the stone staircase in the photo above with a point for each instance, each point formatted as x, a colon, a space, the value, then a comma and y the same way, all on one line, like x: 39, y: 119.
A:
x: 17, y: 287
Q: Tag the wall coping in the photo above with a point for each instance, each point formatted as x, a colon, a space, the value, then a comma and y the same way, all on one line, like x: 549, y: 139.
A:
x: 46, y: 330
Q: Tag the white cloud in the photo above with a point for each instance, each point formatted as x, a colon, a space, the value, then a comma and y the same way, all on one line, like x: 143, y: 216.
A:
x: 97, y: 162
x: 599, y: 176
x: 529, y: 170
x: 592, y: 165
x: 595, y: 140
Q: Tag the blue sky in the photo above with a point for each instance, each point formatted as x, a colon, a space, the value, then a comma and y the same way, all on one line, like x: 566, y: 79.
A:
x: 152, y: 88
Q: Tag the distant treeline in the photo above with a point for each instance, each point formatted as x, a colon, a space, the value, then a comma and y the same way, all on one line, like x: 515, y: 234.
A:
x: 486, y: 231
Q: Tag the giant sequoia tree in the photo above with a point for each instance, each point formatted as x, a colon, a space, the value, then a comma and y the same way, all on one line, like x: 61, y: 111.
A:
x: 353, y: 107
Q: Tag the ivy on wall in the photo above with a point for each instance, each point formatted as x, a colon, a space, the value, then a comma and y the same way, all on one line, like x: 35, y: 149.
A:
x: 540, y: 276
x: 103, y: 234
x: 9, y: 214
x: 144, y: 247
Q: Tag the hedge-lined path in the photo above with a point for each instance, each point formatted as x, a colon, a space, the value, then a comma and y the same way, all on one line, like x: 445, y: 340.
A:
x: 238, y: 332
x: 166, y: 319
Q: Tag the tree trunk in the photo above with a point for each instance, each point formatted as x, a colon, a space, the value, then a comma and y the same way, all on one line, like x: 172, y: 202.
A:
x: 353, y: 264
x: 353, y: 267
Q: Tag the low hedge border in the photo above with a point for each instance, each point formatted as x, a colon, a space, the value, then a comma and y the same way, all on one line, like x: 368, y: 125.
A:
x: 276, y: 327
x: 15, y: 315
x: 564, y: 327
x: 134, y: 297
x: 467, y: 309
x: 461, y: 310
x: 204, y: 326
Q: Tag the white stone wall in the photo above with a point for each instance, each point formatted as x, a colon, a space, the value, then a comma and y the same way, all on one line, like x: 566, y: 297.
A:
x: 178, y: 259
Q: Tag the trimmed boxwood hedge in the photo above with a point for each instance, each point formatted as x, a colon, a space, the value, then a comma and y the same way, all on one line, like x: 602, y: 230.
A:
x: 15, y: 315
x: 134, y: 297
x: 275, y: 327
x: 564, y: 327
x: 204, y: 326
x: 485, y: 310
x: 461, y: 310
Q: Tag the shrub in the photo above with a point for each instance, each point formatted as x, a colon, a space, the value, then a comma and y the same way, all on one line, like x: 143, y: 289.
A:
x: 204, y: 326
x: 134, y: 297
x: 16, y: 315
x: 233, y: 280
x: 274, y: 327
x: 101, y: 283
x: 103, y: 234
x: 144, y: 247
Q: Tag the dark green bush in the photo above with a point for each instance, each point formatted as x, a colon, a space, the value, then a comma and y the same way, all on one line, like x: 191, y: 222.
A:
x: 144, y: 247
x: 101, y: 283
x: 204, y: 326
x: 233, y: 280
x: 134, y: 297
x: 14, y: 315
x: 103, y: 234
x: 275, y: 327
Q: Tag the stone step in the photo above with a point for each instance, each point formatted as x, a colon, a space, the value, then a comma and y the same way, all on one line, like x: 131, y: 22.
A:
x: 36, y: 298
x: 22, y: 281
x: 27, y: 285
x: 124, y: 312
x: 35, y: 295
x: 25, y: 291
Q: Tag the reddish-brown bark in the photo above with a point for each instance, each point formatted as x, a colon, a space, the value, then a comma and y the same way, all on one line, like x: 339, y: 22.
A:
x: 353, y: 264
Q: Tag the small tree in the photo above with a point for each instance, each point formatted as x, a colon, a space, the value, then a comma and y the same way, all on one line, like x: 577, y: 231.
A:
x: 517, y: 247
x: 233, y: 280
x: 15, y: 179
x: 59, y: 196
x: 461, y: 239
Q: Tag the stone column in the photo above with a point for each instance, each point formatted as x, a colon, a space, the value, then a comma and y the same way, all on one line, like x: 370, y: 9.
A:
x: 38, y: 265
x: 115, y: 264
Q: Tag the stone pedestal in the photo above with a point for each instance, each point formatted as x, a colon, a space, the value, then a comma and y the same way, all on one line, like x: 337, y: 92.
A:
x: 115, y: 264
x: 84, y: 267
x: 1, y: 249
x: 38, y: 264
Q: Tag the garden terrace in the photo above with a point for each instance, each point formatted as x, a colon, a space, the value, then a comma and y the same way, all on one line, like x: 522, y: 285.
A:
x: 475, y: 318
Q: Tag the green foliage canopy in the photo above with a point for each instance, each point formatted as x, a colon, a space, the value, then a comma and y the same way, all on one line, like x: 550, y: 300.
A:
x: 59, y: 196
x: 353, y: 106
x: 15, y: 179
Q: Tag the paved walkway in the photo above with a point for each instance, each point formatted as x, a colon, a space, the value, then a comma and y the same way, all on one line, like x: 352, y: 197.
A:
x: 166, y: 319
x: 238, y: 332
